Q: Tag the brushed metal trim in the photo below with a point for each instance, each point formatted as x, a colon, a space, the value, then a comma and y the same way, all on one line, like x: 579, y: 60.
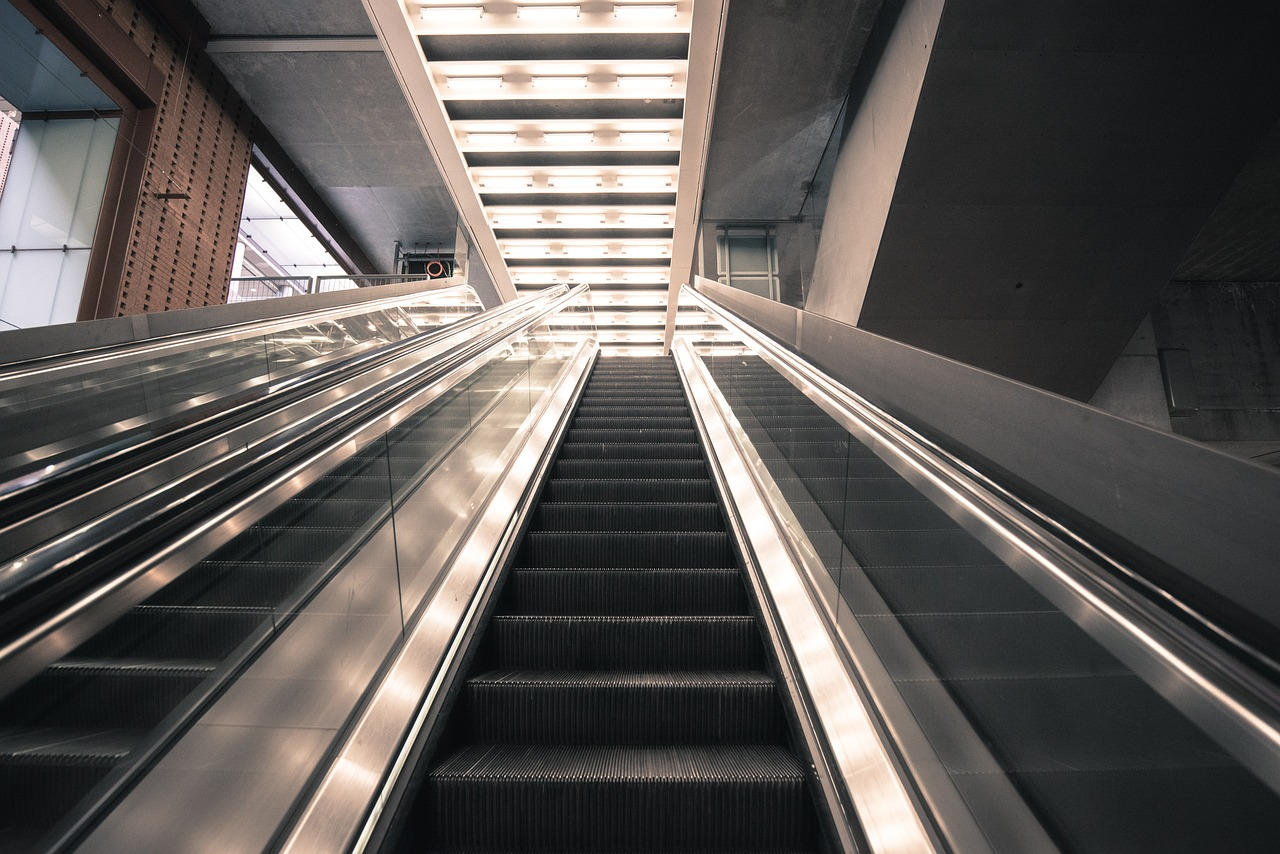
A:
x: 853, y: 757
x: 1238, y: 710
x: 349, y: 802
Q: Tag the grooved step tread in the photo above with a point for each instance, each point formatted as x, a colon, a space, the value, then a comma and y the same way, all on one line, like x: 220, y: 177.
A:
x: 625, y: 591
x: 66, y: 746
x: 537, y: 764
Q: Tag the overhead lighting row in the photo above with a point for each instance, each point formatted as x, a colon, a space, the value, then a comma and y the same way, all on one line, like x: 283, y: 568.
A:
x: 574, y: 183
x: 643, y: 137
x: 547, y: 13
x: 587, y: 250
x: 561, y: 82
x: 534, y: 219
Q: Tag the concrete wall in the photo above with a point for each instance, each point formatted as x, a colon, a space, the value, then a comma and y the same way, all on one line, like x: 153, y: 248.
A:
x: 1134, y: 388
x: 886, y: 90
x: 1232, y: 332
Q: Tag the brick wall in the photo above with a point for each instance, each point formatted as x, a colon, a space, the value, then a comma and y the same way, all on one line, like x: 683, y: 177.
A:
x: 180, y: 250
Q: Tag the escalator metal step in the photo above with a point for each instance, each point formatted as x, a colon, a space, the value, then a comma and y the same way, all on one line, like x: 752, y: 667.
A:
x: 533, y: 797
x: 625, y: 592
x: 625, y: 436
x: 625, y: 643
x: 167, y: 632
x: 626, y: 548
x: 589, y: 445
x: 635, y: 423
x: 629, y: 469
x: 601, y: 516
x: 585, y: 707
x: 628, y: 490
x: 253, y: 584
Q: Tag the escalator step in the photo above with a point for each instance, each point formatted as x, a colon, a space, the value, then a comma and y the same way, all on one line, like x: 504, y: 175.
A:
x: 583, y: 707
x: 623, y: 436
x: 635, y: 423
x: 666, y: 517
x: 625, y: 592
x: 625, y: 413
x: 130, y: 694
x: 629, y: 469
x: 175, y: 632
x: 222, y: 584
x: 619, y: 799
x: 625, y: 643
x: 586, y: 447
x: 620, y: 490
x: 625, y: 548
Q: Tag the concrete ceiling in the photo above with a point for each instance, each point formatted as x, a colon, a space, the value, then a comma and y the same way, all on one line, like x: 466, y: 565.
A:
x: 783, y: 78
x: 316, y: 77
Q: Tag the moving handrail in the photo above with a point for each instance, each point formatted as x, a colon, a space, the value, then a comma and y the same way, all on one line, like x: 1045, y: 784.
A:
x: 53, y: 500
x: 1179, y: 653
x: 67, y: 574
x: 66, y: 410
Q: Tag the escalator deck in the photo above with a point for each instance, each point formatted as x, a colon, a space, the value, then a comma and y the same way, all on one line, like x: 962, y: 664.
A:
x: 621, y: 698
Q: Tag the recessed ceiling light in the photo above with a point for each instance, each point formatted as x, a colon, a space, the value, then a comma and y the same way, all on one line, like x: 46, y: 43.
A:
x: 638, y: 81
x: 451, y: 14
x: 569, y: 138
x: 474, y: 84
x: 517, y: 220
x: 527, y: 250
x: 573, y: 182
x: 649, y: 220
x: 504, y: 182
x: 644, y: 11
x: 645, y: 137
x: 548, y: 13
x: 580, y: 219
x: 492, y: 138
x: 645, y: 250
x: 645, y: 182
x: 559, y: 82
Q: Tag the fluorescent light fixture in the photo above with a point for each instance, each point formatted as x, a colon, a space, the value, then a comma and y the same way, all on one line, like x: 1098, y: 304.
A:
x: 474, y: 84
x: 534, y: 278
x: 645, y: 182
x: 580, y: 219
x: 586, y: 251
x: 548, y: 13
x: 527, y: 250
x: 637, y: 81
x: 644, y: 11
x: 647, y: 220
x: 647, y: 250
x: 569, y: 138
x: 559, y: 82
x: 451, y: 14
x: 573, y: 182
x: 645, y: 137
x: 504, y: 182
x: 517, y: 220
x: 492, y: 138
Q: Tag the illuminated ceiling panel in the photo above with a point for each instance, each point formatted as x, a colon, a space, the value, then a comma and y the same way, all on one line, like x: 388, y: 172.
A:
x: 568, y: 119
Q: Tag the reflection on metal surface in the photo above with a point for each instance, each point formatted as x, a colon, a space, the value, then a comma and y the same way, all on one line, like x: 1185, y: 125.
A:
x: 850, y: 741
x: 1235, y: 708
x: 381, y: 741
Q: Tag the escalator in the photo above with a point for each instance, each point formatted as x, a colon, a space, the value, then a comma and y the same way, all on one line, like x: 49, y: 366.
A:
x: 90, y: 721
x: 621, y: 698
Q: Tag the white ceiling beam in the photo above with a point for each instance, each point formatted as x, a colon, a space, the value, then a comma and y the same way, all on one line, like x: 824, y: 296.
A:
x: 396, y: 31
x: 706, y: 45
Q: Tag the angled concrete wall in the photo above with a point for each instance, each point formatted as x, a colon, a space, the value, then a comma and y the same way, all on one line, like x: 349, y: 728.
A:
x: 1058, y: 161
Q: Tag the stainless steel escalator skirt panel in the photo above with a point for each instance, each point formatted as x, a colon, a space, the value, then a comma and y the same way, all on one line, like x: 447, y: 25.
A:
x: 854, y: 761
x: 1241, y: 712
x: 350, y: 800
